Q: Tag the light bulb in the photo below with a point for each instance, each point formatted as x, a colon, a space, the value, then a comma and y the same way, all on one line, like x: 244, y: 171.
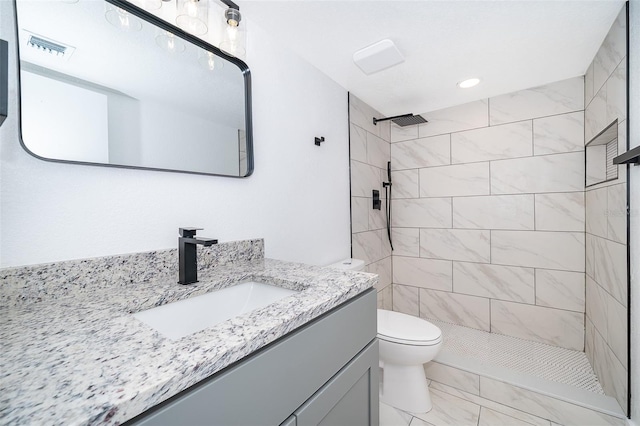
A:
x: 209, y: 61
x: 169, y: 42
x: 122, y: 19
x: 193, y: 16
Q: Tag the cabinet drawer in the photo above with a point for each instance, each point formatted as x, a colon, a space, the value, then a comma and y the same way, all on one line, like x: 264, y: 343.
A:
x: 349, y: 398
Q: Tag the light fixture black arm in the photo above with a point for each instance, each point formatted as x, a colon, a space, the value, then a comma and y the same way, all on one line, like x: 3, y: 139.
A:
x: 231, y: 4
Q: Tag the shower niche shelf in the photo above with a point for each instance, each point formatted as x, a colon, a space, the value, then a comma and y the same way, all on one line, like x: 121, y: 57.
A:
x: 599, y: 155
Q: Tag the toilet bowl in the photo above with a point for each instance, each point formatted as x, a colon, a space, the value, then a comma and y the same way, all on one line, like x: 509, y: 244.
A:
x: 406, y: 343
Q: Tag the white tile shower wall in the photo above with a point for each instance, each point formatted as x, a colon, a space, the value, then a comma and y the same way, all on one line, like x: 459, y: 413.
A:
x: 606, y: 221
x: 370, y: 151
x: 492, y: 234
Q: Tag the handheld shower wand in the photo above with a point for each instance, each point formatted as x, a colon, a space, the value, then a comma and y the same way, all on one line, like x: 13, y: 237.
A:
x: 387, y: 201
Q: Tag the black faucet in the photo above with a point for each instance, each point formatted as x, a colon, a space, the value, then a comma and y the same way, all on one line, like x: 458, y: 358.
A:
x: 187, y: 254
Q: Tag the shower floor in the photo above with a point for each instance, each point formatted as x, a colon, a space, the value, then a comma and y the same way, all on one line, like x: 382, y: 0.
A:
x: 496, y: 351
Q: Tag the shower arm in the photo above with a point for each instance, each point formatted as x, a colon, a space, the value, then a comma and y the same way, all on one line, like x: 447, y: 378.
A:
x: 377, y: 120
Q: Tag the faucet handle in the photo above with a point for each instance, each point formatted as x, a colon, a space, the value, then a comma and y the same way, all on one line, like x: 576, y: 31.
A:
x: 188, y: 232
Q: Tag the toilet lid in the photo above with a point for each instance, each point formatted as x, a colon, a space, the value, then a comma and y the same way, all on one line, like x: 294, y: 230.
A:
x: 402, y: 328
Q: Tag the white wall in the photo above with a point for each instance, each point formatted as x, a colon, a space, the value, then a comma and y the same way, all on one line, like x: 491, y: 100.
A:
x: 634, y: 202
x: 52, y: 108
x: 166, y: 145
x: 297, y: 199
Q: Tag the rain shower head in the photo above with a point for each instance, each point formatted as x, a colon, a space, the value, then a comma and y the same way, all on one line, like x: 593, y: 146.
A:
x: 403, y: 120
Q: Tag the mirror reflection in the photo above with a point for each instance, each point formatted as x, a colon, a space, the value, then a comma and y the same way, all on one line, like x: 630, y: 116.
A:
x: 99, y: 85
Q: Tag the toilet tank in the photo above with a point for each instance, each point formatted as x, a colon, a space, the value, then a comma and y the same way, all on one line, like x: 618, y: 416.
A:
x: 348, y: 265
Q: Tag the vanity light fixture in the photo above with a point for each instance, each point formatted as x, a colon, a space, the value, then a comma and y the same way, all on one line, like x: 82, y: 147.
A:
x: 122, y: 19
x: 169, y: 42
x: 209, y: 61
x: 233, y: 35
x: 193, y: 16
x: 468, y: 83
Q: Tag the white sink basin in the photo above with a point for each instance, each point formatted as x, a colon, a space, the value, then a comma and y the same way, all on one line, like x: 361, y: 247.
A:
x: 179, y: 319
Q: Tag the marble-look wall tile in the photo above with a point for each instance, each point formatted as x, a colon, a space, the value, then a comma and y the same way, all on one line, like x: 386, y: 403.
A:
x: 492, y: 143
x: 596, y: 212
x: 547, y: 173
x: 406, y: 241
x: 456, y: 244
x: 381, y: 267
x: 378, y: 151
x: 454, y: 377
x: 596, y: 167
x: 405, y: 184
x: 617, y: 330
x: 544, y: 406
x: 422, y: 213
x: 467, y: 116
x: 494, y: 212
x: 595, y: 115
x: 617, y: 213
x: 362, y: 115
x: 377, y: 218
x: 610, y: 265
x: 425, y: 152
x: 399, y: 134
x: 469, y: 311
x: 537, y: 249
x: 494, y: 281
x: 560, y: 211
x: 558, y: 134
x: 426, y: 273
x: 360, y: 214
x: 386, y: 246
x: 451, y: 181
x: 588, y: 85
x: 611, y: 373
x: 367, y: 246
x: 617, y: 94
x: 551, y: 99
x: 358, y: 143
x: 384, y: 298
x: 589, y: 253
x: 597, y: 306
x: 364, y: 178
x: 589, y: 340
x: 546, y: 325
x: 611, y: 52
x: 405, y: 299
x: 560, y: 289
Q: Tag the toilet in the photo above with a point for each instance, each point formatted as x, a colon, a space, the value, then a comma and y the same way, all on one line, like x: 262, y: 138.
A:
x: 406, y: 343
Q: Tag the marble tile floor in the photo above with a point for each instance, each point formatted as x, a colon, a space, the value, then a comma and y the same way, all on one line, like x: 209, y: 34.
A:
x: 452, y: 407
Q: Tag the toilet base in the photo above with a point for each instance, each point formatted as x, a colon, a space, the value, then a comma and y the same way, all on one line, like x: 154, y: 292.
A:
x: 405, y: 387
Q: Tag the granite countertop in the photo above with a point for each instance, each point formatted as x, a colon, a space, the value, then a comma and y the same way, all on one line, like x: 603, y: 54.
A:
x: 83, y: 359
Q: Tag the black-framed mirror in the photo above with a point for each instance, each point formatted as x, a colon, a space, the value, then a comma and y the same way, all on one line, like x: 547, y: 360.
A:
x: 108, y: 83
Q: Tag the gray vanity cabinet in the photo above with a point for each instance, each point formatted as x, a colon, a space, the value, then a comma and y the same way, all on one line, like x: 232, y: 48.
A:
x: 346, y: 399
x: 323, y: 373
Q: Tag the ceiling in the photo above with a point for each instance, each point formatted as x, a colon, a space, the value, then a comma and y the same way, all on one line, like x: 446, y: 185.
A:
x: 510, y: 45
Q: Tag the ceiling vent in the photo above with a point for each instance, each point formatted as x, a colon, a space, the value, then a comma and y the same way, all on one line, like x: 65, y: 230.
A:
x: 48, y: 46
x: 377, y: 57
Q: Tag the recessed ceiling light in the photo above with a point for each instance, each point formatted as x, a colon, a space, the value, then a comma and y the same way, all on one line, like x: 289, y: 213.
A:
x: 465, y: 84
